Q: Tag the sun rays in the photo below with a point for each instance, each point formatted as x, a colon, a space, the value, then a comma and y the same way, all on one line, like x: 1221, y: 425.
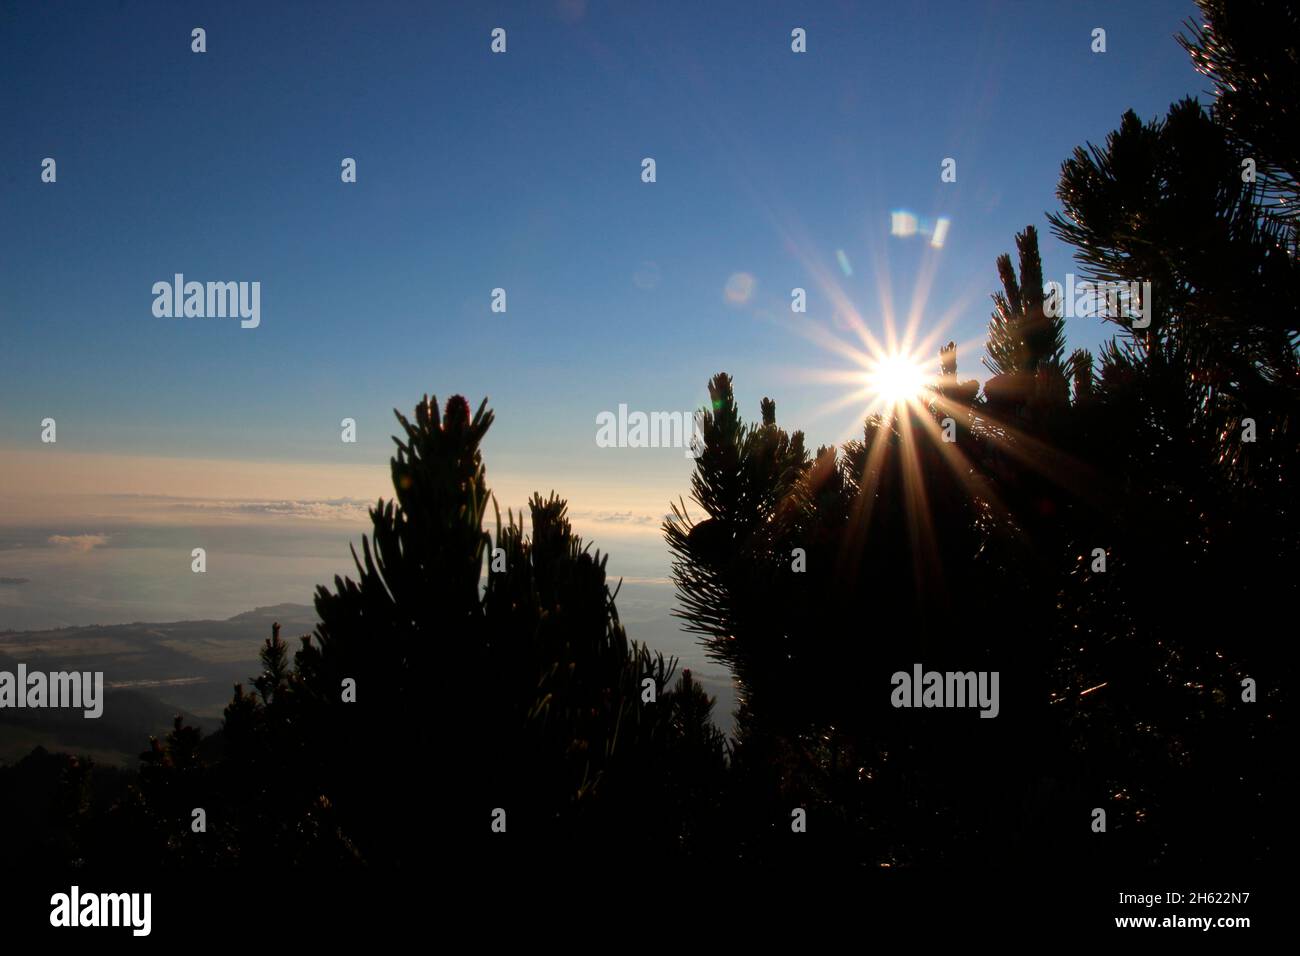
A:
x: 896, y: 374
x: 915, y: 426
x: 889, y: 366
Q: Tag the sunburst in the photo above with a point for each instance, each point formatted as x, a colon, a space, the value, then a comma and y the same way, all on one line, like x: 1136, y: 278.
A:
x: 896, y: 378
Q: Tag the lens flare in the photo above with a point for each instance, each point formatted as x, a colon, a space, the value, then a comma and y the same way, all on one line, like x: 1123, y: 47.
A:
x: 739, y: 288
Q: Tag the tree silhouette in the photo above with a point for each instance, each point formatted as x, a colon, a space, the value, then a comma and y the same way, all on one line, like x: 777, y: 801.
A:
x: 1023, y: 338
x: 499, y: 664
x: 1251, y: 50
x: 1100, y: 539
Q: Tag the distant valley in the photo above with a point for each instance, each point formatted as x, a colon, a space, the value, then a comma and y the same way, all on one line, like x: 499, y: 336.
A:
x: 151, y: 673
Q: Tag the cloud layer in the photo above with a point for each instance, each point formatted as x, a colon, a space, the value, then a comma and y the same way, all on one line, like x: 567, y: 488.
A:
x: 80, y: 543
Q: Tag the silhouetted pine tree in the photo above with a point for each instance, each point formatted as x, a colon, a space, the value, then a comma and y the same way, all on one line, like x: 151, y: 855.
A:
x: 1193, y: 421
x: 812, y: 581
x: 1251, y: 50
x: 1023, y: 337
x: 455, y: 675
x: 1120, y: 681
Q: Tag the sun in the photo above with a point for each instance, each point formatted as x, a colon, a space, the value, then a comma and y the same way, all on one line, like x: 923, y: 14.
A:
x: 896, y: 379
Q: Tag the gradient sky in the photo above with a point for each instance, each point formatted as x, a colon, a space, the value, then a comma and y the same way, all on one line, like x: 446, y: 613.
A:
x: 477, y: 171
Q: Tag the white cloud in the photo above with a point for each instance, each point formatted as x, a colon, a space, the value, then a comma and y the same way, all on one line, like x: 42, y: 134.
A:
x: 80, y: 543
x: 617, y: 517
x: 331, y: 509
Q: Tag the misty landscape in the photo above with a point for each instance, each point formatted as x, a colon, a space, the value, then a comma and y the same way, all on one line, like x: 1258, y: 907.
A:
x: 158, y: 671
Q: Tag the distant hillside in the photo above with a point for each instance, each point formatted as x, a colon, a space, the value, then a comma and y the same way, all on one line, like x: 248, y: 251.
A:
x: 130, y: 718
x: 152, y: 671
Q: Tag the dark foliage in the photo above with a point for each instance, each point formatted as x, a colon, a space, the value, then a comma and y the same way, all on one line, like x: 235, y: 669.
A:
x: 448, y: 679
x: 1121, y: 688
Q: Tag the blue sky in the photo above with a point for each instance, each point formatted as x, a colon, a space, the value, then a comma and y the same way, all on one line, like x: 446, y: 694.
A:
x: 519, y: 171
